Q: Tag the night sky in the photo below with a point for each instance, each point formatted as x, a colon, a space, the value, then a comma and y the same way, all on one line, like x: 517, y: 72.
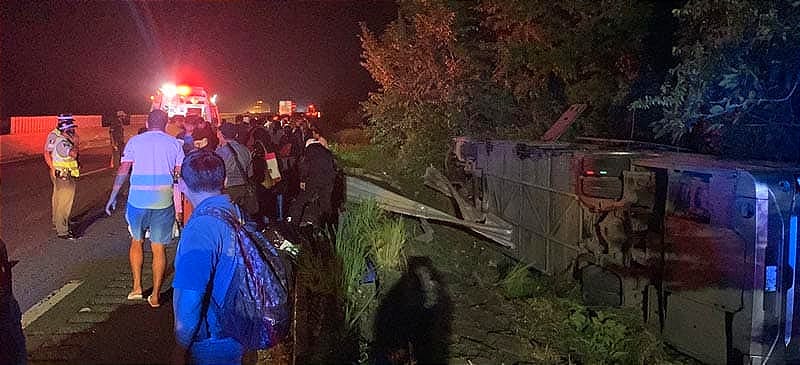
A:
x: 97, y: 57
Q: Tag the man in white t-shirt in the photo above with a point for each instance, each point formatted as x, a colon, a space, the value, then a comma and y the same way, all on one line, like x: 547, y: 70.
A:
x: 153, y: 159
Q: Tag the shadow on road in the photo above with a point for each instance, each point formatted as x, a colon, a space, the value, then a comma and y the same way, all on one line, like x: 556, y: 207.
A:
x: 81, y: 222
x: 413, y: 321
x: 132, y: 334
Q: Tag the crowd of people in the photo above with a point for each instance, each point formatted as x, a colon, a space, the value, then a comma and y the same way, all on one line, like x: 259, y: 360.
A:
x: 179, y: 165
x: 280, y: 171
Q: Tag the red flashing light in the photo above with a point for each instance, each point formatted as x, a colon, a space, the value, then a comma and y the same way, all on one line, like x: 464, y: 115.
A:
x: 589, y: 173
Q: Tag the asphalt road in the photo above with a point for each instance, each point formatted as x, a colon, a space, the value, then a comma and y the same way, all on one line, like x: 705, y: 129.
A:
x: 73, y: 292
x: 45, y: 262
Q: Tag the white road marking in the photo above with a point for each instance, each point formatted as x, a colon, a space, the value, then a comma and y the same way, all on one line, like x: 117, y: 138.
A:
x: 48, y: 302
x: 95, y: 171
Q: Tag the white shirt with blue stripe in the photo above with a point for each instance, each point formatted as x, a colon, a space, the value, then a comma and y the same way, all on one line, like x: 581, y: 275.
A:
x: 155, y: 155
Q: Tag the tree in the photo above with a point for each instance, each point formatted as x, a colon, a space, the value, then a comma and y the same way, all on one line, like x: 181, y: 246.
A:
x: 499, y: 68
x: 552, y: 54
x: 417, y: 65
x: 736, y: 78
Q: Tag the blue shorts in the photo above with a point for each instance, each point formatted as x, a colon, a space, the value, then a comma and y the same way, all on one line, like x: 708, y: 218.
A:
x: 159, y: 221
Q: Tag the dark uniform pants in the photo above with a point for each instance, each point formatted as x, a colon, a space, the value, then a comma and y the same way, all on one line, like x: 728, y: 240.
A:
x: 117, y: 147
x: 63, y: 197
x: 312, y: 205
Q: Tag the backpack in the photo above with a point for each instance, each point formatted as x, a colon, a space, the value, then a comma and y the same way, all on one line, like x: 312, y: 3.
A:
x: 256, y: 308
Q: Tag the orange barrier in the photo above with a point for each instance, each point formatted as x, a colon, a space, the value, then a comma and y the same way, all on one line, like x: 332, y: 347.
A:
x: 34, y: 124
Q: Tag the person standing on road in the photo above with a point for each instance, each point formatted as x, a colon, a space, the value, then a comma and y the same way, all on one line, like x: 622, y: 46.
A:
x: 238, y: 169
x: 153, y: 159
x: 201, y: 264
x: 116, y: 133
x: 61, y: 155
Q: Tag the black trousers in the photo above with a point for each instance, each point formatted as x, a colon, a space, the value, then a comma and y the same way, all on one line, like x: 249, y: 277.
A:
x: 312, y: 205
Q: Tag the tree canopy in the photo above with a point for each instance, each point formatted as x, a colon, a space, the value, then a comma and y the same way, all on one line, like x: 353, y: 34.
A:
x: 735, y: 81
x: 508, y: 68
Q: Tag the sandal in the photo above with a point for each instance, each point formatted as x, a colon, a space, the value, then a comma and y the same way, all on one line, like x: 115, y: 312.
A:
x: 135, y: 296
x: 151, y: 303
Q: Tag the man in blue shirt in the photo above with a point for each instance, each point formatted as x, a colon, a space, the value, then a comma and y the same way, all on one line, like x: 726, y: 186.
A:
x: 204, y: 266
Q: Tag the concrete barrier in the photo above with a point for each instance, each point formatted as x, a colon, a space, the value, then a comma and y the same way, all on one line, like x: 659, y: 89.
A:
x: 28, y: 134
x: 36, y: 124
x: 16, y: 147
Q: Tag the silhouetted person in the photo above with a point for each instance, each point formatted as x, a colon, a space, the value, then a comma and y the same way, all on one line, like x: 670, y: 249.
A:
x: 413, y: 321
x: 317, y: 175
x: 116, y: 134
x: 12, y: 340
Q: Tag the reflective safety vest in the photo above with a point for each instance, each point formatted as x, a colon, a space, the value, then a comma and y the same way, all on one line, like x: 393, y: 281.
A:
x: 67, y: 165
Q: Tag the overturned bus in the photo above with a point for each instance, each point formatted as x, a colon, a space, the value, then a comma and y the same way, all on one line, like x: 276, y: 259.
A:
x: 705, y: 249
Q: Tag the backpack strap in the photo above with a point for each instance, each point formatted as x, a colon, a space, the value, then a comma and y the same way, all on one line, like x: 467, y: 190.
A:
x: 239, y: 228
x: 238, y: 163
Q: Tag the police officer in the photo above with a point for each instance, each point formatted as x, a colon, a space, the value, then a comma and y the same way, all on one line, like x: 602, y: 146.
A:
x: 116, y: 133
x: 64, y: 171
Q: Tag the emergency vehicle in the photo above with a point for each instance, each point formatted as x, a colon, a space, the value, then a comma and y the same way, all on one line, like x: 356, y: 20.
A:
x: 185, y: 100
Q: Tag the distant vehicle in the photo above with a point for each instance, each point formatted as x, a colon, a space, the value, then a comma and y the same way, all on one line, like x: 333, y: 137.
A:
x: 286, y: 107
x: 185, y: 100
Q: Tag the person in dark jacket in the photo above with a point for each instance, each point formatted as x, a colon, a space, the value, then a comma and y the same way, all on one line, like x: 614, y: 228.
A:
x: 116, y: 134
x: 317, y: 175
x: 12, y: 339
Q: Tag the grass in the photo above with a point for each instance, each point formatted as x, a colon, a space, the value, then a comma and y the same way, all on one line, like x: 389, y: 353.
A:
x: 365, y: 232
x: 388, y: 245
x: 519, y: 283
x: 352, y: 247
x: 564, y: 330
x: 363, y: 156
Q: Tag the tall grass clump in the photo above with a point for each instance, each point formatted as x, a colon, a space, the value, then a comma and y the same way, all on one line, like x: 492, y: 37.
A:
x: 366, y: 232
x: 388, y: 243
x: 352, y: 248
x: 520, y: 283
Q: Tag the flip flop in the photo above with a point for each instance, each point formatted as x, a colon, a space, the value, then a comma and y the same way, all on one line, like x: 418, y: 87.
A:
x: 135, y: 296
x: 151, y: 303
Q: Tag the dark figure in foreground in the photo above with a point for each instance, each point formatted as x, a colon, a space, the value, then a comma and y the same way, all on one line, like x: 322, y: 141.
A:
x: 317, y: 175
x: 413, y: 321
x: 12, y: 340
